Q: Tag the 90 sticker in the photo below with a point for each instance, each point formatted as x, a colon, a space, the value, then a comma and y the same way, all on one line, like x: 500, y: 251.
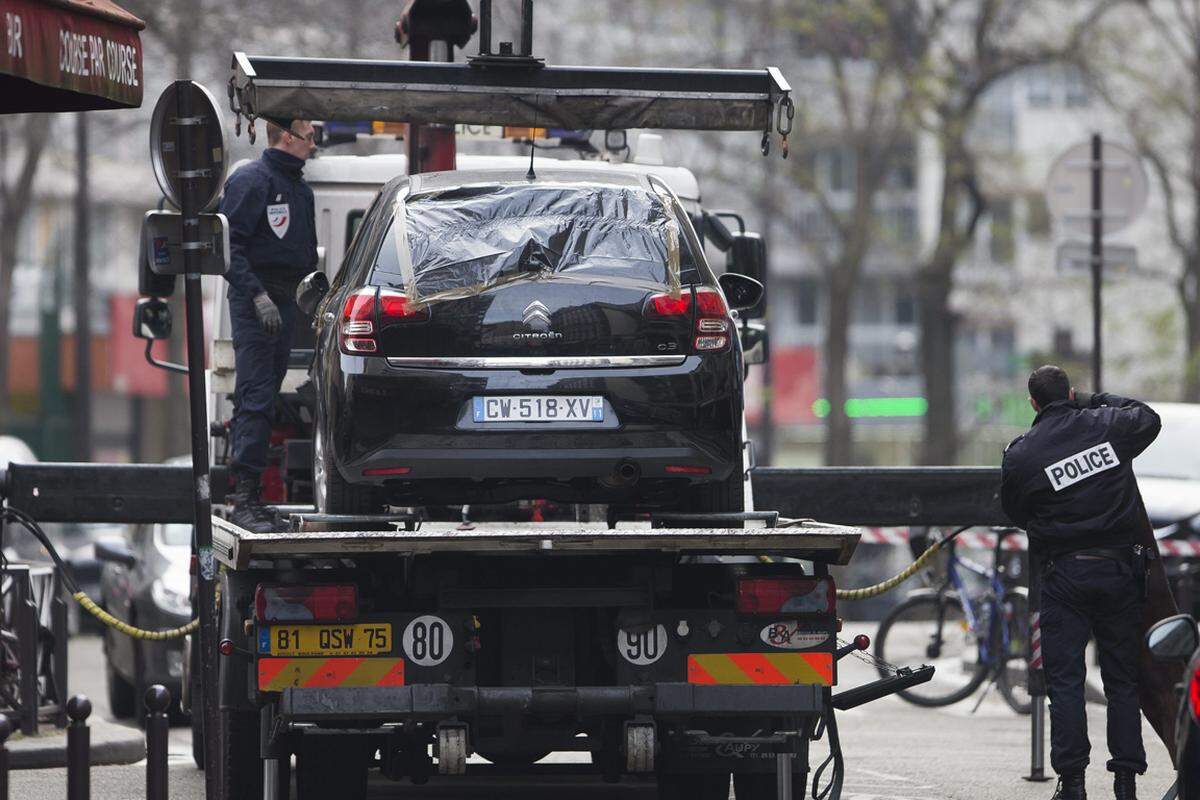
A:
x: 642, y: 648
x: 428, y: 640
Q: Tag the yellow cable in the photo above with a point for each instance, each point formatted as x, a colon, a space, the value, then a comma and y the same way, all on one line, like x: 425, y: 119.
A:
x: 885, y: 586
x: 127, y: 629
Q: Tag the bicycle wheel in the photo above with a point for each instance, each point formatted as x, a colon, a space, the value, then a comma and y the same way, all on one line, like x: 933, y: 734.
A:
x: 1012, y: 679
x: 932, y: 629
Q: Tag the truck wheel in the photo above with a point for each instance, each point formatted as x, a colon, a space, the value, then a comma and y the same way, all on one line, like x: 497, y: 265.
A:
x: 761, y: 785
x: 331, y: 493
x: 241, y: 773
x: 121, y: 700
x: 693, y: 786
x: 331, y: 766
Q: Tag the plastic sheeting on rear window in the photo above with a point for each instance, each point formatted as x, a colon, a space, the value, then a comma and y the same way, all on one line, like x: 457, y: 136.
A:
x: 466, y: 240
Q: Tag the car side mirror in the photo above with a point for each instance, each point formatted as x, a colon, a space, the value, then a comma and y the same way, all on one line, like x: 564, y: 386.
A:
x: 115, y: 553
x: 152, y: 319
x: 747, y: 255
x: 756, y: 344
x: 311, y: 292
x: 1173, y: 638
x: 740, y: 291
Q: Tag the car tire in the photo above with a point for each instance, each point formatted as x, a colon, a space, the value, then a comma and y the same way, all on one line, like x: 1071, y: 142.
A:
x: 198, y: 737
x: 331, y: 493
x: 241, y: 769
x: 122, y: 700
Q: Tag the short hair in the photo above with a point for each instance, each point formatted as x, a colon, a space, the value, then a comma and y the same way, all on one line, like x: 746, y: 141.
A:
x: 1047, y: 384
x: 274, y: 133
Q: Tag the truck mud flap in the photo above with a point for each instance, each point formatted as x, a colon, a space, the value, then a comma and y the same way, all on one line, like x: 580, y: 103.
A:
x: 903, y: 679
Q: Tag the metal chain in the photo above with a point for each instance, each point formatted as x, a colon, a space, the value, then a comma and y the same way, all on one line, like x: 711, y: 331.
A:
x: 868, y: 658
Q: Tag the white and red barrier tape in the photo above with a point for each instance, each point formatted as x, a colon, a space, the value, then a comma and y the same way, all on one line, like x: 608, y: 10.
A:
x: 1014, y: 541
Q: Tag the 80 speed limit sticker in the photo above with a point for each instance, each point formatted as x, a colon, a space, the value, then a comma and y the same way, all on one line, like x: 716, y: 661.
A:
x: 642, y: 647
x: 428, y: 641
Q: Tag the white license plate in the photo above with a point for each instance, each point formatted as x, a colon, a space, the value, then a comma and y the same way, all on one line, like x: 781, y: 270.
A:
x: 539, y: 408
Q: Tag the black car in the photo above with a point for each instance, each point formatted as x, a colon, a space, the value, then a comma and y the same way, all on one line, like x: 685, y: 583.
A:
x: 1177, y: 638
x: 146, y: 582
x: 491, y: 336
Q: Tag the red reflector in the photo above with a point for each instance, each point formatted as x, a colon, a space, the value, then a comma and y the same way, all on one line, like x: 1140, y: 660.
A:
x: 1194, y: 694
x: 685, y: 469
x: 225, y: 648
x: 664, y: 305
x: 396, y: 307
x: 388, y: 471
x: 786, y: 596
x: 710, y: 303
x: 323, y: 603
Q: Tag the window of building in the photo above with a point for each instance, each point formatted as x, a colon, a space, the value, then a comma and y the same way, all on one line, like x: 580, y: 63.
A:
x: 807, y: 296
x: 1002, y: 243
x: 1037, y: 215
x: 906, y: 307
x: 1040, y: 88
x: 1076, y: 93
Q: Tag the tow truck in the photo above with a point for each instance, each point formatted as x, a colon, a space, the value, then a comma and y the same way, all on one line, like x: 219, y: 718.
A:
x: 690, y: 649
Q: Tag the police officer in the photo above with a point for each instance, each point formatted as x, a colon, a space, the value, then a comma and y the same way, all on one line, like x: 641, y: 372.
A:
x: 273, y: 244
x: 1069, y: 482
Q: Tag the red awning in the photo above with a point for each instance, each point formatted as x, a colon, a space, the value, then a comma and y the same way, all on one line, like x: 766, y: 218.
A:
x: 68, y: 55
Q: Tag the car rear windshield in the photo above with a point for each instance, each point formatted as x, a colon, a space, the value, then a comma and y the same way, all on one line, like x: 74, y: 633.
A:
x: 468, y: 239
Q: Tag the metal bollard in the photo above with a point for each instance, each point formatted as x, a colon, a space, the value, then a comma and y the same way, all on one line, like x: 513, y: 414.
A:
x: 5, y: 730
x: 79, y: 708
x: 157, y: 700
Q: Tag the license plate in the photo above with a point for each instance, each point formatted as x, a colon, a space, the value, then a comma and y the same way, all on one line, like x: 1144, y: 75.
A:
x: 539, y: 408
x: 325, y: 640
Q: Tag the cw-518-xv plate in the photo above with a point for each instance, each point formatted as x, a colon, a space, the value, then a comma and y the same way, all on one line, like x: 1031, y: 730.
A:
x: 367, y: 639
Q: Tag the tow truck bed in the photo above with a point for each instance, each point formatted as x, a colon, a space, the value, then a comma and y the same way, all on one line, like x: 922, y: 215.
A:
x: 831, y: 544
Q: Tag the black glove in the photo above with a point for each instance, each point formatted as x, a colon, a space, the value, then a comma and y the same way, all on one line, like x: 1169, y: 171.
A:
x: 267, y: 313
x: 1083, y: 399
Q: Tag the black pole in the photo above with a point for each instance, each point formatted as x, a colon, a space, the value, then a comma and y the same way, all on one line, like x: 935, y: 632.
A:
x: 79, y: 708
x: 1097, y: 256
x: 83, y: 291
x: 157, y: 699
x: 189, y: 215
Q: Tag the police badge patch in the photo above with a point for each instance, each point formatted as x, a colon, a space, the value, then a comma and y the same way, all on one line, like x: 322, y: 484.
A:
x: 279, y: 216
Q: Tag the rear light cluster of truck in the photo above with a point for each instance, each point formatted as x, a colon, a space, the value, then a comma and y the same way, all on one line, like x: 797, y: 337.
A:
x: 1194, y: 694
x: 320, y: 603
x: 712, y: 316
x: 368, y: 311
x: 786, y: 596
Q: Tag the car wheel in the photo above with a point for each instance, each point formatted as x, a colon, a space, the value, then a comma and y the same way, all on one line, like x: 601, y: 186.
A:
x: 331, y: 493
x: 241, y: 771
x: 121, y: 700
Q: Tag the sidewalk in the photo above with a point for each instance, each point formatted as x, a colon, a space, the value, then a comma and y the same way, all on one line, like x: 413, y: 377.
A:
x: 111, y: 743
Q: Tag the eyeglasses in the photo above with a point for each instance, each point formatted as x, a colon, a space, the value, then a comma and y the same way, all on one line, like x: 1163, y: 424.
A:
x: 311, y: 136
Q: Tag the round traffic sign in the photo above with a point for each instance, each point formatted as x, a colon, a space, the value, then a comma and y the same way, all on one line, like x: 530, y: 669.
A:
x: 1125, y: 188
x: 202, y: 130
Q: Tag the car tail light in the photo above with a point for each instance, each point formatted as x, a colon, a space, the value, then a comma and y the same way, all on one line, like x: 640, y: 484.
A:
x: 786, y: 596
x: 369, y: 310
x: 712, y: 321
x: 387, y: 471
x: 321, y: 603
x: 688, y: 469
x: 1194, y: 694
x: 665, y: 305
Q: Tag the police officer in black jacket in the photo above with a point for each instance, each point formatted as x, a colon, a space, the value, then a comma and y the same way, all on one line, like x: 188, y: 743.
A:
x: 273, y: 244
x: 1069, y: 482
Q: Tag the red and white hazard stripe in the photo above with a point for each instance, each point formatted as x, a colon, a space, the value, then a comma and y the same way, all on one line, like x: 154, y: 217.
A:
x: 1035, y: 641
x: 1179, y: 547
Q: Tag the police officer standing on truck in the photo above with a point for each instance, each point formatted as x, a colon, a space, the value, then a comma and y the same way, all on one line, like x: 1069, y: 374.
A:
x: 273, y: 244
x: 1069, y: 482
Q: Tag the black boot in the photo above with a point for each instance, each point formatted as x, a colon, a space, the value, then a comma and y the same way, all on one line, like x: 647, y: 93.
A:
x: 1071, y: 786
x: 1125, y: 784
x: 248, y: 511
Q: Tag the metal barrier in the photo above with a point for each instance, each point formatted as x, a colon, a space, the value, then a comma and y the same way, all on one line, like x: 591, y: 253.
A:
x: 33, y: 637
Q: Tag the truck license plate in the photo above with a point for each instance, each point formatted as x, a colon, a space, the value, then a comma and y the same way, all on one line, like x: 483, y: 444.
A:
x: 325, y: 640
x: 539, y: 408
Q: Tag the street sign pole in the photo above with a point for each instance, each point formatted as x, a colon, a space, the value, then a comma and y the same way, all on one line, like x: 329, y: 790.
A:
x: 1097, y: 257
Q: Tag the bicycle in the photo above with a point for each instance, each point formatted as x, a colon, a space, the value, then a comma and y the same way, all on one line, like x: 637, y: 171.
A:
x: 969, y: 639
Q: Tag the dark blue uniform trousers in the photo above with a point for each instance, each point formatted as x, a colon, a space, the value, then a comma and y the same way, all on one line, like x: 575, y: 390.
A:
x: 261, y: 363
x: 1082, y: 597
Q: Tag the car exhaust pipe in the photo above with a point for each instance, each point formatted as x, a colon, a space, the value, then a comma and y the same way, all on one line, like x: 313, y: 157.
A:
x: 627, y: 473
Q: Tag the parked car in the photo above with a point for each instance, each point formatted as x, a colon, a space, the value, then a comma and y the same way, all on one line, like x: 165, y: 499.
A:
x: 491, y: 337
x: 1177, y: 638
x: 145, y: 581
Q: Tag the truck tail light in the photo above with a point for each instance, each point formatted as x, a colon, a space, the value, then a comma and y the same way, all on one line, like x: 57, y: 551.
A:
x: 320, y: 603
x: 370, y: 310
x: 712, y: 321
x: 786, y: 596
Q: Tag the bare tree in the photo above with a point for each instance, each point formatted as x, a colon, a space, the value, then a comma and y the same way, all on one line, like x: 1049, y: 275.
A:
x: 969, y: 48
x: 22, y: 141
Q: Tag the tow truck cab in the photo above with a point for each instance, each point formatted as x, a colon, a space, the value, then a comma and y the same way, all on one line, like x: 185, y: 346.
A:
x: 343, y: 188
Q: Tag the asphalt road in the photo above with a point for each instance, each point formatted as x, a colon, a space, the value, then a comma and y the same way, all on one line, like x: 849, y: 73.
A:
x: 893, y: 751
